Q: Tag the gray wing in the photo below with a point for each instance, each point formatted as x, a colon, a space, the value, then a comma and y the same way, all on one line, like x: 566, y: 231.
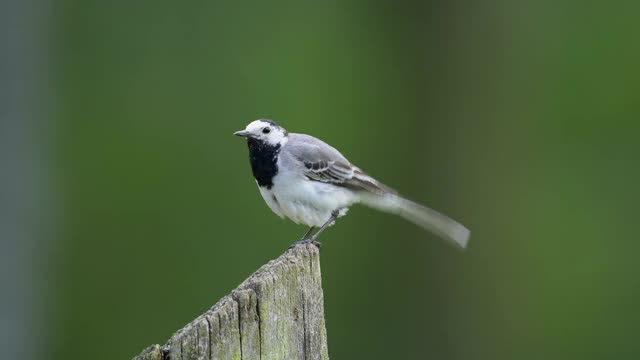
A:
x: 321, y: 162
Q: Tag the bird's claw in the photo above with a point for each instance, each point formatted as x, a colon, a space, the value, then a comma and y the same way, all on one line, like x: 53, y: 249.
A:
x: 306, y: 241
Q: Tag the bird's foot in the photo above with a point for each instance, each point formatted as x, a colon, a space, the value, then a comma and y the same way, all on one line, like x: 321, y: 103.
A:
x: 306, y: 241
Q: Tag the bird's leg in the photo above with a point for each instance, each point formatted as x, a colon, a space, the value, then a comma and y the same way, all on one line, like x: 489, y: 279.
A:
x: 331, y: 221
x: 304, y: 239
x: 307, y: 233
x: 313, y: 239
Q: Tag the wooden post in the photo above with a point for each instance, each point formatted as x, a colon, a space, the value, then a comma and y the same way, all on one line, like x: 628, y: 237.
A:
x: 277, y: 313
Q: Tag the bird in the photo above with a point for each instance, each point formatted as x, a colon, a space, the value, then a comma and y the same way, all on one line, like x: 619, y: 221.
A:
x: 308, y: 181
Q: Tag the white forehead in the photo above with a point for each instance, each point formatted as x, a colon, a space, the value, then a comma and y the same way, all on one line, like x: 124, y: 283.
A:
x: 257, y: 125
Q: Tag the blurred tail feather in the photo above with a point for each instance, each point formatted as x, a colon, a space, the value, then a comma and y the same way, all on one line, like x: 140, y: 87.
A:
x: 422, y: 216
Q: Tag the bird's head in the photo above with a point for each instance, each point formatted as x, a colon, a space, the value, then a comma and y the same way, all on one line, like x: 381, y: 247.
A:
x: 266, y: 131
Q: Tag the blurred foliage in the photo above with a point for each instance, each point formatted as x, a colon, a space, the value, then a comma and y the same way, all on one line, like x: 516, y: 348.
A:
x: 519, y: 119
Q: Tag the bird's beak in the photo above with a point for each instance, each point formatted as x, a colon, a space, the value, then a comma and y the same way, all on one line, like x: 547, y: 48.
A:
x: 243, y: 133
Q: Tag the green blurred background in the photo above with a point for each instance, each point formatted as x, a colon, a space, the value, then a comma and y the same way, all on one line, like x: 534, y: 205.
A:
x: 517, y: 118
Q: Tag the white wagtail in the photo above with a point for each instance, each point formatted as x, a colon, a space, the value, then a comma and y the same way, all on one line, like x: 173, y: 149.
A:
x: 311, y: 183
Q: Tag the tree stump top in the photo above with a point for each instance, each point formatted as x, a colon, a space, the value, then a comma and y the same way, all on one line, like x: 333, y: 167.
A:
x: 277, y: 313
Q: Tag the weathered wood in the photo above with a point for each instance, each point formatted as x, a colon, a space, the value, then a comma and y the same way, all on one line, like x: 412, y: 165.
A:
x: 277, y: 313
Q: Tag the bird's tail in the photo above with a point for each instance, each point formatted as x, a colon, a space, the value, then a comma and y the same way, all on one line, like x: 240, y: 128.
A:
x: 422, y: 216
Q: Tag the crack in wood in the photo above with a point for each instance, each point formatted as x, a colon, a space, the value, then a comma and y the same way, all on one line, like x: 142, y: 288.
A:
x: 240, y: 327
x: 210, y: 337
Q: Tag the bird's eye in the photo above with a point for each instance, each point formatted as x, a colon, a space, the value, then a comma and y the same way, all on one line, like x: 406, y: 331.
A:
x: 266, y: 130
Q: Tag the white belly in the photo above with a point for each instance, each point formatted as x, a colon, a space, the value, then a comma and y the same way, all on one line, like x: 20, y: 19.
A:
x: 304, y: 201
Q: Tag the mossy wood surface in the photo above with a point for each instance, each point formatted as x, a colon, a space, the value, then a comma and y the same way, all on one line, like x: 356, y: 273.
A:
x: 277, y: 313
